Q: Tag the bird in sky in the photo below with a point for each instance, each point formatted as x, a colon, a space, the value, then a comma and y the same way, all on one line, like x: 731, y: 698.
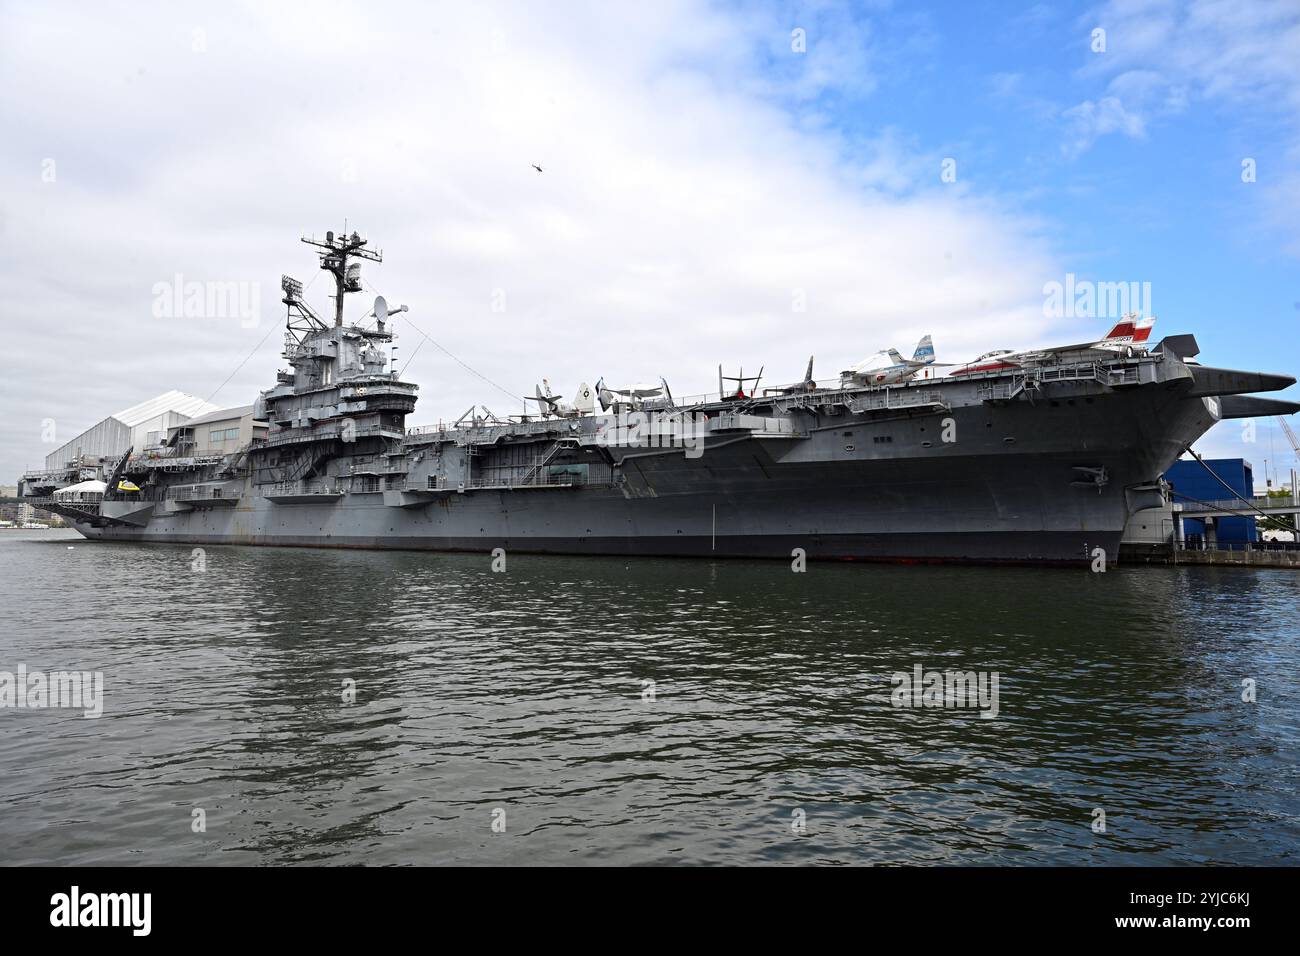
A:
x: 536, y: 167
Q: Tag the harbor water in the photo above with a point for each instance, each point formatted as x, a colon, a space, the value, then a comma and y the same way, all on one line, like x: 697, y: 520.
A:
x: 294, y: 706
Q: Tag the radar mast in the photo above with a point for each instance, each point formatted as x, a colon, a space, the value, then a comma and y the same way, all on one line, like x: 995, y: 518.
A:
x: 338, y: 256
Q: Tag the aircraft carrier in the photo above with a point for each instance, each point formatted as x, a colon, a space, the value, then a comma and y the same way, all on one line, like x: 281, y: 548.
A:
x: 1033, y: 458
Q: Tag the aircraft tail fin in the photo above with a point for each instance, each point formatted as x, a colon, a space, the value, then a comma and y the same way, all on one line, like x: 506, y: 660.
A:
x: 924, y: 350
x: 807, y: 376
x: 1130, y: 329
x: 896, y: 357
x: 584, y: 401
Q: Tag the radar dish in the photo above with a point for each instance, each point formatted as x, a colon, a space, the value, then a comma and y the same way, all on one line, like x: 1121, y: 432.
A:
x: 381, y: 308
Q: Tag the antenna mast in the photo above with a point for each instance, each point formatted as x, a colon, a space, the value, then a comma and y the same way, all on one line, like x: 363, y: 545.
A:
x: 335, y: 253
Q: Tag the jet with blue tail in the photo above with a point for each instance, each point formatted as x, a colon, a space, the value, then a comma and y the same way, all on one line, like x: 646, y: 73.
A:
x: 888, y: 367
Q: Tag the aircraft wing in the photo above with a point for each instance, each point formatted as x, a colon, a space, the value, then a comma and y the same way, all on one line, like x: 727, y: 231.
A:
x: 992, y: 361
x: 638, y: 391
x: 1053, y: 349
x: 1130, y: 330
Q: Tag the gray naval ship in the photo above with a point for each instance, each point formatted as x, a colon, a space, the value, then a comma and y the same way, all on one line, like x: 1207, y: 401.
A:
x: 1030, y: 457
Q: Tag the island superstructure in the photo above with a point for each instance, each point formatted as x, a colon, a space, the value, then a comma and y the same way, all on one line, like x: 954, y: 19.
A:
x: 1029, y: 458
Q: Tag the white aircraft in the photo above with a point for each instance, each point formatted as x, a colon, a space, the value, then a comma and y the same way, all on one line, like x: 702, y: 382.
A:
x: 632, y: 395
x: 1129, y: 331
x: 888, y: 367
x: 550, y: 404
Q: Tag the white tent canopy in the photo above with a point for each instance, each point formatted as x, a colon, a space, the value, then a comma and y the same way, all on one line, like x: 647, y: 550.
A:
x: 82, y: 488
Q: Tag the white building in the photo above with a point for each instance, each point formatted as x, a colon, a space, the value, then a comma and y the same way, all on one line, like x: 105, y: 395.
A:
x: 138, y: 427
x: 218, y: 432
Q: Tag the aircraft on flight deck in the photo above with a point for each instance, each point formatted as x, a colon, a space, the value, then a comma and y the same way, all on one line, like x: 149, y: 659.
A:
x: 630, y: 395
x: 550, y: 404
x: 1129, y: 331
x: 888, y: 367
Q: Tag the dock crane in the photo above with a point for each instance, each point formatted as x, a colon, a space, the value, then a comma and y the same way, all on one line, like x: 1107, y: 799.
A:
x: 1290, y: 436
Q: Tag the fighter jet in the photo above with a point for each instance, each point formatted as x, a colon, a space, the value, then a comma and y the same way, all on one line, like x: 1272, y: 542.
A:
x: 1129, y: 331
x: 632, y: 396
x: 807, y: 385
x: 741, y: 380
x: 888, y: 367
x: 550, y: 404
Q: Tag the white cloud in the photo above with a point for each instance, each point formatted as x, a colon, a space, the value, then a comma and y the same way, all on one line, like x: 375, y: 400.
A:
x: 1089, y: 120
x: 1163, y: 54
x: 1242, y: 60
x: 682, y: 205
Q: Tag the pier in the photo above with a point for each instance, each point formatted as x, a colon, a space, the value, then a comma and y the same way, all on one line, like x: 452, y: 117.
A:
x: 1258, y: 557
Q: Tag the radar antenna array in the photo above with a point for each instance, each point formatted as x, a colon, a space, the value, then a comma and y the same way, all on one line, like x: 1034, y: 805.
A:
x: 338, y: 256
x: 301, y: 320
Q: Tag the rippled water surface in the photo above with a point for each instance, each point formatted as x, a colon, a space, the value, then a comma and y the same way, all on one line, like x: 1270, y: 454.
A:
x: 524, y: 692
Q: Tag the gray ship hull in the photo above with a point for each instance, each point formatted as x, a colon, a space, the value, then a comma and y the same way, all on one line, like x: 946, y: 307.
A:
x: 981, y: 498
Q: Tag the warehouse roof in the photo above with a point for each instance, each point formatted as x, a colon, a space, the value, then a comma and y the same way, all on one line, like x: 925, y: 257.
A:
x: 221, y: 415
x: 173, y: 401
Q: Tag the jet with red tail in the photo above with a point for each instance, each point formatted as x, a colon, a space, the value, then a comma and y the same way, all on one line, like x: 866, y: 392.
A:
x: 1129, y: 332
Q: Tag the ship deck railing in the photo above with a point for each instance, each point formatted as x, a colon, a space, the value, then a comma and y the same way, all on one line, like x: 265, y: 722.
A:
x: 525, y: 482
x: 178, y: 459
x: 488, y: 434
x: 767, y: 394
x: 196, y: 493
x: 378, y: 465
x: 89, y: 506
x: 1005, y: 386
x: 892, y: 398
x: 169, y: 463
x: 49, y: 474
x: 285, y: 489
x: 374, y: 385
x: 289, y: 436
x: 501, y: 483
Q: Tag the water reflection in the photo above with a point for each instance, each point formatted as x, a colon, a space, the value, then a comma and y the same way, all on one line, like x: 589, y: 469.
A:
x: 525, y: 692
